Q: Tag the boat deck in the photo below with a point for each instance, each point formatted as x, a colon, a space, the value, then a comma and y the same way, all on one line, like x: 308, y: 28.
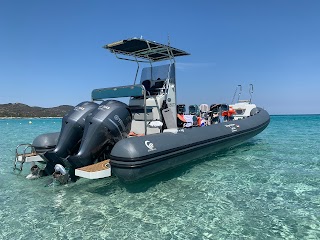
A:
x: 98, y: 170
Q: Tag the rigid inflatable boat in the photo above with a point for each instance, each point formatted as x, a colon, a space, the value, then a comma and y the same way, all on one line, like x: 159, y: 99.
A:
x: 147, y: 135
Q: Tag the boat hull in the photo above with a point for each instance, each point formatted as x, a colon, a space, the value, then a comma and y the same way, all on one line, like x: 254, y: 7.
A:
x: 135, y: 158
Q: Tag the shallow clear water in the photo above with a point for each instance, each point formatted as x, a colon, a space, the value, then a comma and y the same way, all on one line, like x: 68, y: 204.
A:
x: 265, y: 188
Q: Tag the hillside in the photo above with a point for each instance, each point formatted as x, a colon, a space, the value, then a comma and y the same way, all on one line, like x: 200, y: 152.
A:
x: 23, y: 110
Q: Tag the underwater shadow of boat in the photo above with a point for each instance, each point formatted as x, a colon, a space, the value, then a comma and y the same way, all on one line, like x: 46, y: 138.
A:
x: 144, y: 184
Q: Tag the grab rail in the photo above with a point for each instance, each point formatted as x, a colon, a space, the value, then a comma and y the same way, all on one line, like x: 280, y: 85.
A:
x: 21, y: 157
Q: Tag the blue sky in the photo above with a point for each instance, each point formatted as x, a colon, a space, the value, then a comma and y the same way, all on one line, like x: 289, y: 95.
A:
x: 51, y: 51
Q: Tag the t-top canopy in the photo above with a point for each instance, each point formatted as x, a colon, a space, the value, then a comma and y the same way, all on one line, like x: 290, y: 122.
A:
x: 145, y: 49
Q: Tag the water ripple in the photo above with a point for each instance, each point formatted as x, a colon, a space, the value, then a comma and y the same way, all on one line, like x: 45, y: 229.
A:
x: 266, y: 188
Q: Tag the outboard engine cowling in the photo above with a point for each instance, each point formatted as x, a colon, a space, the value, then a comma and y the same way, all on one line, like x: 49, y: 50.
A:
x: 108, y: 124
x: 45, y: 142
x: 70, y: 135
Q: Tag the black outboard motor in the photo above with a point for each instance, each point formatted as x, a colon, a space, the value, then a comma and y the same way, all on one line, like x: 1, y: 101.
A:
x: 70, y: 135
x: 45, y: 142
x: 108, y: 124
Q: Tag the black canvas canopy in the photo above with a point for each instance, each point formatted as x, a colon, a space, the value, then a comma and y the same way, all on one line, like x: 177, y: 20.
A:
x: 144, y: 49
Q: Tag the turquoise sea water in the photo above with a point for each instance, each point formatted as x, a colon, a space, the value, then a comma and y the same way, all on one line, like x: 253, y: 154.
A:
x: 265, y: 188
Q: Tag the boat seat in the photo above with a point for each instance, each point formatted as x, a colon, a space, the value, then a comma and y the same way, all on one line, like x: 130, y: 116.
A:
x: 181, y: 108
x: 138, y: 113
x: 205, y: 114
x: 191, y: 120
x: 146, y: 84
x: 157, y: 87
x: 138, y: 117
x: 194, y: 110
x: 204, y: 108
x: 138, y: 127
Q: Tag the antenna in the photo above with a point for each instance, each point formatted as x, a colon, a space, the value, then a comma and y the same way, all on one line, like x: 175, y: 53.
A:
x: 250, y: 91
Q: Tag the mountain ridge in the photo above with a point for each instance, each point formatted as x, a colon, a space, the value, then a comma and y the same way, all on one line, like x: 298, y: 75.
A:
x: 20, y: 110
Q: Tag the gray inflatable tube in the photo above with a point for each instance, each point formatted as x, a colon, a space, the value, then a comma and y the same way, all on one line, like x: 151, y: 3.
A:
x: 138, y: 157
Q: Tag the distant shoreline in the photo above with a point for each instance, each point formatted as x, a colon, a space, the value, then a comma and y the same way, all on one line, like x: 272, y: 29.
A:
x: 23, y: 111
